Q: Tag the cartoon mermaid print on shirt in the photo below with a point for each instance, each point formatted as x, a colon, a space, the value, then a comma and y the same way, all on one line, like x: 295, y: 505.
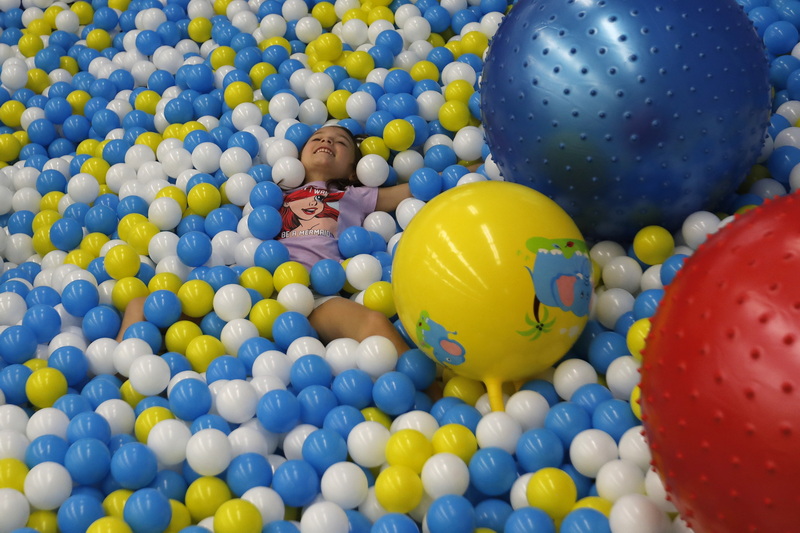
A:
x: 307, y: 211
x: 561, y: 277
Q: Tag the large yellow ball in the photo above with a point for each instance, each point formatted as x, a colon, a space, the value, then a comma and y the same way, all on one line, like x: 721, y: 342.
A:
x: 493, y: 280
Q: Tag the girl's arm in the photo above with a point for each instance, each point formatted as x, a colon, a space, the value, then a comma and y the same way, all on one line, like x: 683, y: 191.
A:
x: 390, y: 197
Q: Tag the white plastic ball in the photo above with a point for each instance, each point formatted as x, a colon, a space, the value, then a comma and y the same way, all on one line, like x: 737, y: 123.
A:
x: 500, y: 430
x: 324, y: 517
x: 238, y: 187
x: 293, y: 441
x: 444, y: 473
x: 572, y: 374
x: 623, y: 376
x: 236, y: 402
x: 651, y: 278
x: 12, y: 306
x: 611, y: 304
x: 636, y: 513
x: 406, y: 163
x: 344, y: 484
x: 235, y: 333
x: 528, y: 408
x: 232, y: 301
x: 245, y: 115
x: 127, y: 351
x: 429, y: 103
x: 305, y: 345
x: 47, y: 485
x: 363, y: 270
x: 617, y: 478
x: 100, y: 354
x: 420, y: 421
x: 149, y: 374
x: 376, y: 355
x: 235, y: 160
x: 119, y: 414
x: 47, y: 421
x: 283, y: 105
x: 697, y: 227
x: 14, y: 510
x: 307, y: 29
x: 590, y: 450
x: 319, y: 86
x: 407, y: 209
x: 381, y: 223
x: 168, y: 440
x: 366, y: 444
x: 165, y: 213
x: 267, y: 501
x: 288, y: 172
x: 342, y: 354
x: 273, y: 363
x: 633, y: 447
x: 518, y: 496
x: 208, y: 452
x: 83, y: 188
x: 372, y: 170
x: 313, y: 111
x: 13, y: 444
x: 623, y: 272
x: 297, y: 297
x: 654, y: 488
x: 205, y: 157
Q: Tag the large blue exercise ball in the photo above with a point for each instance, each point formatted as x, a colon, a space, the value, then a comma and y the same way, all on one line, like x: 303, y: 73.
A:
x: 626, y: 113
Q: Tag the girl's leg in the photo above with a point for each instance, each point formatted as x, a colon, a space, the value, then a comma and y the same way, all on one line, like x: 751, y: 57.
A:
x: 340, y: 317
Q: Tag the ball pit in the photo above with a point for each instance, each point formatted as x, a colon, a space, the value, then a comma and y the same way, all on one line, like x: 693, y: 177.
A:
x: 142, y: 145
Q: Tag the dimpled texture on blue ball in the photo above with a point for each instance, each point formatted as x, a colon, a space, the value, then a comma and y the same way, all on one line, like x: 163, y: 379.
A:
x: 626, y: 113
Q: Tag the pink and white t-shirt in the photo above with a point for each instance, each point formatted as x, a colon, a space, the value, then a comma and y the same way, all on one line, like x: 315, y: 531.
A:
x: 314, y: 217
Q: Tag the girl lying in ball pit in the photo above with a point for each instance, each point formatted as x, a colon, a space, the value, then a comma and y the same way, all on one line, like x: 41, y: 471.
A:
x: 313, y: 215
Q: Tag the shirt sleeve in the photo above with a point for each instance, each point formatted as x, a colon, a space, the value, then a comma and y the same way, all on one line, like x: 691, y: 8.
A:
x: 363, y: 200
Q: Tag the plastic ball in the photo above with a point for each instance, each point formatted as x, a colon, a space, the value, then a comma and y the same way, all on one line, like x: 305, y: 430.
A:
x: 237, y: 515
x: 47, y: 485
x: 450, y: 513
x: 553, y: 250
x: 752, y: 239
x: 583, y: 126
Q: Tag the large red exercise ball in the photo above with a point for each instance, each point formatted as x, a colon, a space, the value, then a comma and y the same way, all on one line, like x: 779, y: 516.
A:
x: 721, y: 377
x: 626, y: 113
x: 492, y: 280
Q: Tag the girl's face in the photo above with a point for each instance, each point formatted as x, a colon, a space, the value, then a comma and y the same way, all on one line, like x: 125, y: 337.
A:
x: 329, y: 154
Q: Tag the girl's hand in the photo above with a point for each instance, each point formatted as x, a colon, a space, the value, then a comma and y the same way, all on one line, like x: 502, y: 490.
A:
x: 390, y: 197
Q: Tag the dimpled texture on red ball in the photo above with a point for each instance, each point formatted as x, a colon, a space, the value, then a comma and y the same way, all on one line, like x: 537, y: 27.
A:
x: 721, y: 377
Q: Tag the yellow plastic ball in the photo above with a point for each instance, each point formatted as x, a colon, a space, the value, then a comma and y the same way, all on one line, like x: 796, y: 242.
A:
x: 205, y: 495
x: 203, y: 198
x: 114, y: 503
x: 276, y: 41
x: 43, y: 521
x: 97, y: 167
x: 337, y: 103
x: 49, y: 201
x: 237, y: 516
x: 140, y: 236
x: 398, y: 489
x: 595, y: 502
x: 222, y: 56
x: 98, y: 39
x: 259, y: 279
x: 355, y: 13
x: 77, y: 99
x: 463, y: 388
x: 10, y: 147
x: 455, y: 47
x: 165, y: 281
x: 50, y: 15
x: 80, y: 258
x: 454, y: 115
x: 35, y: 364
x: 259, y: 72
x: 408, y: 447
x: 238, y: 92
x: 398, y: 134
x: 203, y: 349
x: 424, y: 70
x: 325, y: 13
x: 553, y: 491
x: 38, y: 80
x: 375, y: 145
x: 171, y: 191
x: 181, y: 518
x: 637, y: 336
x: 29, y: 44
x: 290, y: 272
x: 380, y: 13
x: 11, y: 113
x: 109, y: 524
x: 373, y: 414
x: 197, y: 298
x: 459, y: 91
x: 122, y: 261
x: 93, y: 243
x: 148, y: 419
x: 147, y: 101
x: 87, y: 147
x: 474, y: 42
x: 455, y: 439
x: 380, y: 297
x: 44, y: 386
x: 180, y: 334
x: 129, y: 395
x: 328, y: 46
x: 70, y: 64
x: 653, y: 245
x: 127, y: 289
x: 42, y: 244
x: 359, y: 64
x: 42, y: 26
x: 263, y: 315
x: 150, y: 139
x: 128, y: 222
x: 44, y: 218
x: 635, y: 402
x: 84, y: 10
x: 12, y: 474
x: 199, y: 30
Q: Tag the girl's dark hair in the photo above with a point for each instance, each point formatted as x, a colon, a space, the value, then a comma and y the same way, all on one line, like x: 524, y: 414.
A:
x: 351, y: 181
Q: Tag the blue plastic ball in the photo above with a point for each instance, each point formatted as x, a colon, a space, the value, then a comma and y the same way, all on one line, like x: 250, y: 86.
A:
x: 71, y: 362
x: 296, y: 482
x: 353, y: 387
x: 343, y: 419
x: 246, y: 471
x: 147, y: 511
x: 528, y: 519
x: 612, y: 130
x: 567, y: 419
x: 394, y: 393
x: 492, y: 471
x: 134, y: 465
x: 315, y: 401
x: 539, y: 448
x: 278, y: 411
x: 323, y: 448
x: 78, y: 512
x: 451, y: 514
x: 88, y: 461
x: 46, y: 448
